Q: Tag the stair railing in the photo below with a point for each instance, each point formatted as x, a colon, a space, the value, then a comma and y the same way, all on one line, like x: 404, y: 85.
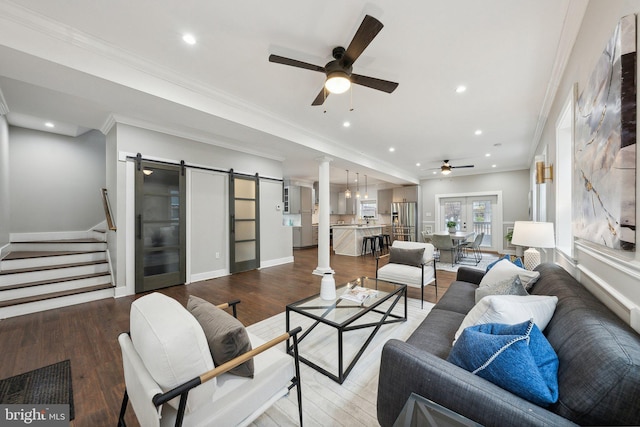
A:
x: 107, y: 209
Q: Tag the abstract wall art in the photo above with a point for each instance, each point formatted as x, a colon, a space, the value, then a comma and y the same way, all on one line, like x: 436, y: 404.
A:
x: 605, y: 146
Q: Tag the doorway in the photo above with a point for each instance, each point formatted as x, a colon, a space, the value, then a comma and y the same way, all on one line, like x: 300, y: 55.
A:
x: 160, y: 226
x: 244, y: 222
x: 472, y: 213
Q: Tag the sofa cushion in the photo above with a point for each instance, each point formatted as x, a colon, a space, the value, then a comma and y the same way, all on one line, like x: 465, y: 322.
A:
x: 510, y: 286
x: 412, y: 257
x: 599, y: 372
x: 505, y: 269
x: 436, y: 332
x: 226, y: 336
x: 172, y: 346
x: 459, y: 298
x: 510, y: 309
x: 517, y: 358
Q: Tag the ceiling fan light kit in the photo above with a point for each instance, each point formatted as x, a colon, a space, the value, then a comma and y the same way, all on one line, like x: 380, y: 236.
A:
x: 338, y: 71
x: 445, y: 169
x: 337, y: 82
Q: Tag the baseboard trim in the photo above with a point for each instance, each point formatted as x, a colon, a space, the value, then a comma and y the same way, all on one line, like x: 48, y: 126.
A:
x: 199, y: 277
x: 274, y: 262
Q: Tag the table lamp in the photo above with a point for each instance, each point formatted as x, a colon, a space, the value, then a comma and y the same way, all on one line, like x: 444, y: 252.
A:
x: 535, y: 235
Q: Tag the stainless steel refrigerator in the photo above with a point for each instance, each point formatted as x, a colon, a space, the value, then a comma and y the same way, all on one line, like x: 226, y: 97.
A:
x: 404, y: 221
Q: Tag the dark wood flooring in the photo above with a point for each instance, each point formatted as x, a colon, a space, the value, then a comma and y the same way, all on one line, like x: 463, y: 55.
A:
x: 87, y: 333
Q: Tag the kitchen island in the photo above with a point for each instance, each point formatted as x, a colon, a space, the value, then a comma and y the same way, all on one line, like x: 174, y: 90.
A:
x: 347, y: 239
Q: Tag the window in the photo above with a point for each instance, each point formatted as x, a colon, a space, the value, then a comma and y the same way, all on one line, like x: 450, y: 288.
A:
x: 368, y: 208
x: 563, y: 178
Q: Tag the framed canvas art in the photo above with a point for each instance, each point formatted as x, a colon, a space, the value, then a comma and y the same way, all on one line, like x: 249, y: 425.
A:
x: 605, y: 146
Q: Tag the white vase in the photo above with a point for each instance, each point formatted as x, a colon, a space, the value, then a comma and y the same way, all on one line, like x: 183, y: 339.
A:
x: 328, y: 287
x: 452, y: 229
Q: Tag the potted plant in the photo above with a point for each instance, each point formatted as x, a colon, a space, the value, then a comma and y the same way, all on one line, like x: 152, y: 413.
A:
x: 451, y: 225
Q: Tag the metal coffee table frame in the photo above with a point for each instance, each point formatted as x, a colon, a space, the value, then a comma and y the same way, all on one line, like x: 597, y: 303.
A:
x: 394, y: 294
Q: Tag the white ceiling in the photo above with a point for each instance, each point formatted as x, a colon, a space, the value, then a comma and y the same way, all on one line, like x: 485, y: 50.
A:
x: 84, y: 64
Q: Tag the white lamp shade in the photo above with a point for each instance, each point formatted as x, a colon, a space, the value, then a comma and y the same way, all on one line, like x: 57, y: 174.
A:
x: 533, y: 234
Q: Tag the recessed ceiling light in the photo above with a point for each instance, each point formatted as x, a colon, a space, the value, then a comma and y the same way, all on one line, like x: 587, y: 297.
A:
x: 49, y: 125
x: 391, y: 149
x: 434, y: 172
x: 418, y: 164
x: 478, y: 132
x: 461, y: 89
x: 346, y: 124
x: 488, y: 155
x: 493, y: 166
x: 189, y: 39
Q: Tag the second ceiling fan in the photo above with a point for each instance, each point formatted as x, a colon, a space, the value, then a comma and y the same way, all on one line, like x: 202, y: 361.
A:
x: 339, y: 71
x: 446, y: 167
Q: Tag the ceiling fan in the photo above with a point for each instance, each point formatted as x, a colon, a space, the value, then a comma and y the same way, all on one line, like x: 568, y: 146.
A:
x: 339, y: 71
x: 446, y: 167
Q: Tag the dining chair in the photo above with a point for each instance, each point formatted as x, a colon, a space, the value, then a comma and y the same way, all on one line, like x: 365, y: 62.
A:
x: 444, y: 243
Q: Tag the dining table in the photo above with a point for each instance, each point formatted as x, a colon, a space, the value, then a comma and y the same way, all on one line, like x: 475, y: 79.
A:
x: 458, y: 238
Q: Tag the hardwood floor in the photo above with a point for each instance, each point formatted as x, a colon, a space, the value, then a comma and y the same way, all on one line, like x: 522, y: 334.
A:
x: 87, y: 333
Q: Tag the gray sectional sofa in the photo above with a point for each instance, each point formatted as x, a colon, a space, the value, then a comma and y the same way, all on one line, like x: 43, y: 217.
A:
x: 599, y: 362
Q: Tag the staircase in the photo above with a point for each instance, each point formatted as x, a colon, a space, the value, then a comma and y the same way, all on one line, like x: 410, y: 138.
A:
x: 40, y: 275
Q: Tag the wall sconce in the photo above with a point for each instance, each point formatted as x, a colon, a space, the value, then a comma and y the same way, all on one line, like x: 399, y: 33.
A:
x: 541, y: 177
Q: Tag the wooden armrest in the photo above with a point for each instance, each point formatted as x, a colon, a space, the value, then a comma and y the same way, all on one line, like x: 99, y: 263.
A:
x: 231, y: 304
x: 162, y: 398
x: 382, y: 256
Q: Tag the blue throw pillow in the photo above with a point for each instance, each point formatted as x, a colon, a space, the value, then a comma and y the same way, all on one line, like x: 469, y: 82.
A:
x: 517, y: 358
x: 517, y: 262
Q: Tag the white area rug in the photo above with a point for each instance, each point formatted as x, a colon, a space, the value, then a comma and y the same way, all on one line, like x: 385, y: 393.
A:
x: 468, y: 262
x: 324, y: 401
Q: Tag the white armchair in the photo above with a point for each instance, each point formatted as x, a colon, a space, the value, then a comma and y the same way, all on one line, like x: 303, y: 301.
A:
x: 407, y: 269
x: 170, y: 376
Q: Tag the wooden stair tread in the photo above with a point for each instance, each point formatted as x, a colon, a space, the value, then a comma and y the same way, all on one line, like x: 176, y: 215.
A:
x: 42, y: 254
x: 51, y: 295
x: 84, y: 240
x: 52, y: 281
x: 51, y: 267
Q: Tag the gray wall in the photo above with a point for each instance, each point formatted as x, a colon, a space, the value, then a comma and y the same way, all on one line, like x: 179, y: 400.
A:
x: 55, y: 181
x: 207, y: 200
x: 5, y: 205
x: 613, y: 277
x: 514, y: 186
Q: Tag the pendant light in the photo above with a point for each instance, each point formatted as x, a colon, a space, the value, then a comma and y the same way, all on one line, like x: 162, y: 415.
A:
x: 366, y: 188
x: 347, y: 193
x: 357, y: 185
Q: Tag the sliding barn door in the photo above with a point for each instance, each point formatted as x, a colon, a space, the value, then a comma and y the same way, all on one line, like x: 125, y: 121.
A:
x: 244, y: 222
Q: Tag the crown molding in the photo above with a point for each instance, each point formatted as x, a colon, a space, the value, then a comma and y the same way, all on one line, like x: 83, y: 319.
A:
x: 570, y: 29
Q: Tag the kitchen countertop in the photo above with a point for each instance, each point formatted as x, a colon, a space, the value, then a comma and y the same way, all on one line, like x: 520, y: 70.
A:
x: 357, y: 226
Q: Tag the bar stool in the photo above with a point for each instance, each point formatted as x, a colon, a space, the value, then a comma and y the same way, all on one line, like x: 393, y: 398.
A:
x: 385, y: 241
x: 371, y: 242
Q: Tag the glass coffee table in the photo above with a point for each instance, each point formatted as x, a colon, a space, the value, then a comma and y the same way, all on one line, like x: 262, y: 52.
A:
x: 321, y: 320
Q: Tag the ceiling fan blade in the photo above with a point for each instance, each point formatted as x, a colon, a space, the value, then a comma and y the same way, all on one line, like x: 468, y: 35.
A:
x: 373, y: 83
x: 321, y: 97
x: 295, y: 63
x: 458, y: 167
x: 368, y: 30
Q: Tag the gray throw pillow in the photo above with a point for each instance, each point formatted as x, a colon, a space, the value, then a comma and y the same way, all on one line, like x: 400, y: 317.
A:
x: 510, y: 286
x: 227, y: 337
x: 406, y: 256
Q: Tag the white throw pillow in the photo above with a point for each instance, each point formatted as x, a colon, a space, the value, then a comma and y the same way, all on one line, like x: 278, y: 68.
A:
x: 505, y: 269
x: 510, y: 310
x: 172, y: 345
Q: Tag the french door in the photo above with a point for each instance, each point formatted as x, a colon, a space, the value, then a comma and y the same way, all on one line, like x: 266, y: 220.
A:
x: 471, y: 214
x: 244, y: 222
x: 160, y: 226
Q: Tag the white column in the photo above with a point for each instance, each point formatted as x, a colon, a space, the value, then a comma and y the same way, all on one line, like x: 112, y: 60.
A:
x: 324, y: 211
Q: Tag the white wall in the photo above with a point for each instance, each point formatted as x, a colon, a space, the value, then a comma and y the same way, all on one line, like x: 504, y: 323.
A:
x: 207, y: 200
x: 613, y: 277
x: 5, y: 213
x: 55, y: 181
